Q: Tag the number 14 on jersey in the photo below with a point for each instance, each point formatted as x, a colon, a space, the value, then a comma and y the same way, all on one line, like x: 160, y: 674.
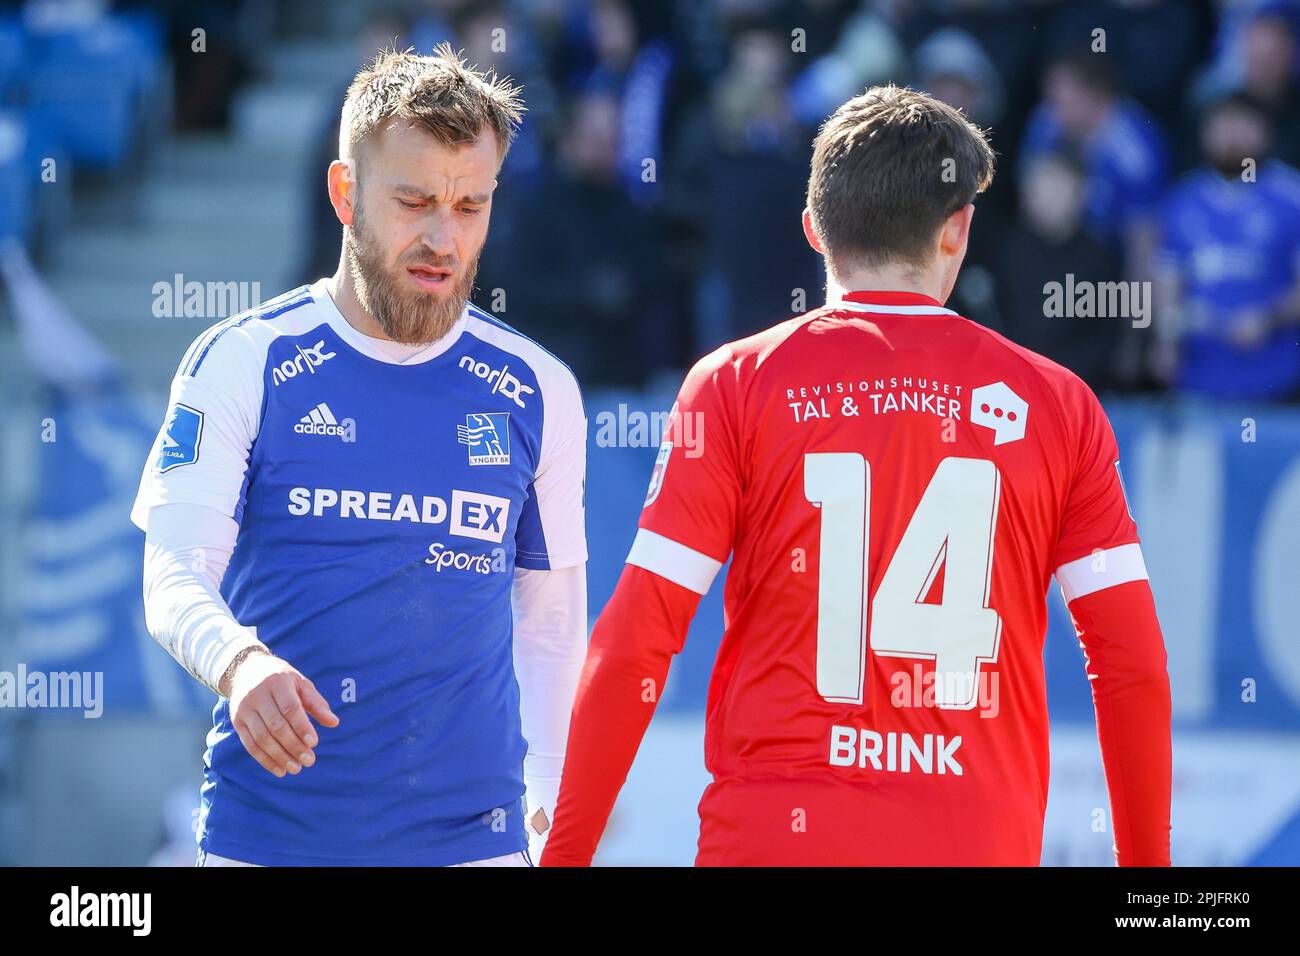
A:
x: 952, y: 530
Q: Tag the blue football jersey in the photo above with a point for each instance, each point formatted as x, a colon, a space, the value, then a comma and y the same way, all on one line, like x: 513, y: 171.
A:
x: 1235, y: 246
x: 383, y: 504
x: 1126, y: 164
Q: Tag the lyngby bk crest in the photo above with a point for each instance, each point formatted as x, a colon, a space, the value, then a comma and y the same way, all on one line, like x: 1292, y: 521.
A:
x: 487, y: 436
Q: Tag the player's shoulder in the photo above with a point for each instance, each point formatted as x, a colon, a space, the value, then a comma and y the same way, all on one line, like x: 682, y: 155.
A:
x: 1050, y: 372
x: 554, y: 377
x: 244, y: 338
x: 742, y: 357
x: 1003, y: 360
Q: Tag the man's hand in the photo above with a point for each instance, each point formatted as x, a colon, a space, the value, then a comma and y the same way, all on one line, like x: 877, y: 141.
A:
x: 536, y: 826
x: 269, y: 707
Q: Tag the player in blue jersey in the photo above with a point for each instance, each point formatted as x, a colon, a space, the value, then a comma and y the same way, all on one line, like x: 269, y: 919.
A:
x: 364, y: 520
x: 1085, y: 114
x: 1230, y: 264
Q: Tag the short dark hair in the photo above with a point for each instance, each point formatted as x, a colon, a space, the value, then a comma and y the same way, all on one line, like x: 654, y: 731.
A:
x: 888, y: 168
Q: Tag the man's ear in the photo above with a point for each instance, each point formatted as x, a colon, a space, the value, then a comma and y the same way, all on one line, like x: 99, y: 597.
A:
x: 342, y: 189
x: 956, y: 230
x: 810, y: 233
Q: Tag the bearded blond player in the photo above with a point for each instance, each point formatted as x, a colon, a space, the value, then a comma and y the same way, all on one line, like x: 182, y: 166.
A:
x: 353, y: 485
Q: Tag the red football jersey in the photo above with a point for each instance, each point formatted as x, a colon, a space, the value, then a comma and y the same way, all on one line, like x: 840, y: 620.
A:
x: 896, y: 486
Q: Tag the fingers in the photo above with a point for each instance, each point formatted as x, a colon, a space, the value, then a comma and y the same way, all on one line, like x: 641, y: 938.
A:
x: 316, y: 705
x: 257, y: 753
x: 298, y: 729
x: 281, y: 742
x: 270, y: 744
x: 274, y: 725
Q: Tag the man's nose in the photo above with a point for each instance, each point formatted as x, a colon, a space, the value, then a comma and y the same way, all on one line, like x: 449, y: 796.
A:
x: 437, y: 233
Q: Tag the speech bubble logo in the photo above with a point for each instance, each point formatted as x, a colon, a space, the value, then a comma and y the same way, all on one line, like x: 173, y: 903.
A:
x: 997, y: 407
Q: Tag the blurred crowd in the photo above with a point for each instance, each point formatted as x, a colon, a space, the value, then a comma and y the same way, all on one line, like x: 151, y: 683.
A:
x: 650, y: 209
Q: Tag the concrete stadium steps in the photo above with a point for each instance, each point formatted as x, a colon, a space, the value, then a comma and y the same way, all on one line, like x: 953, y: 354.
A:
x: 216, y: 252
x: 288, y: 117
x: 215, y: 208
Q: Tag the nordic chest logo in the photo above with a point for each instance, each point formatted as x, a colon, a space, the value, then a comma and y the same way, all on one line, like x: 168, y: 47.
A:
x: 180, y: 438
x: 487, y: 436
x: 502, y: 382
x: 307, y: 360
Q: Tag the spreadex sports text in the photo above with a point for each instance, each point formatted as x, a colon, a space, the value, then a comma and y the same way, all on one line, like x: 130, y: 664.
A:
x: 472, y: 513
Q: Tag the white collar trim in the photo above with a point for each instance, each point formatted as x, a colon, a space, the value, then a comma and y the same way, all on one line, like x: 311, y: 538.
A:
x: 382, y: 350
x: 892, y: 309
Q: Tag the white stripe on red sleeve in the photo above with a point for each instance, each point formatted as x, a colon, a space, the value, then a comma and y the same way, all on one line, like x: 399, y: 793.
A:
x: 1103, y: 568
x: 673, y: 561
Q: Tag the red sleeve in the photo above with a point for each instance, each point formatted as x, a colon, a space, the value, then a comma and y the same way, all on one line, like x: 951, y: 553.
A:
x: 690, y: 509
x: 1126, y: 663
x: 1099, y: 565
x: 685, y: 534
x: 642, y: 627
x: 1096, y: 516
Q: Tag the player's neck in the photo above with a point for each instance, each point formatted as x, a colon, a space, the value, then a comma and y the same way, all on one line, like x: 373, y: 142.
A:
x: 344, y: 293
x: 887, y: 278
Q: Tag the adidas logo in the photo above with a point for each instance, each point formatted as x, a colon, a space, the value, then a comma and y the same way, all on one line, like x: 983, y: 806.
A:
x: 321, y: 421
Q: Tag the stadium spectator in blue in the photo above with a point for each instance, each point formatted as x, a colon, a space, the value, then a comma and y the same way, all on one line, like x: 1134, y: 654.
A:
x: 1085, y: 110
x: 636, y: 66
x: 1045, y: 245
x: 953, y: 66
x: 1229, y: 318
x: 1155, y: 44
x: 1257, y: 50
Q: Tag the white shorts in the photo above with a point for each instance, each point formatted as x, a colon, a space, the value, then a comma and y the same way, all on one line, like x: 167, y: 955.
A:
x: 510, y: 859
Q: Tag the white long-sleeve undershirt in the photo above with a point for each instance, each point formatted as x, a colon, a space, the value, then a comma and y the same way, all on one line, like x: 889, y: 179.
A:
x: 186, y: 551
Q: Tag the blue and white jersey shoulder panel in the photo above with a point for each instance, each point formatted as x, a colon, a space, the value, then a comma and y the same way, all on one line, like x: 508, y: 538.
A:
x: 552, y: 530
x: 215, y: 407
x: 271, y: 309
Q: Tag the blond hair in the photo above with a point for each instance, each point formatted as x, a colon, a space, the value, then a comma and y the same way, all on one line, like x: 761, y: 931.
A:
x: 441, y: 94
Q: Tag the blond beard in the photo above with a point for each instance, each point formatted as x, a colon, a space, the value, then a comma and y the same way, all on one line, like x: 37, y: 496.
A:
x: 406, y: 315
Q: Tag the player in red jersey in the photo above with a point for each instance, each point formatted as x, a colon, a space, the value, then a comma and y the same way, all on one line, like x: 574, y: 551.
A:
x: 896, y: 486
